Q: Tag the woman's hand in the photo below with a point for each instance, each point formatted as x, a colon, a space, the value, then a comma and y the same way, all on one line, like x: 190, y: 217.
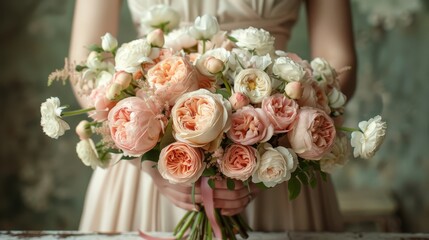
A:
x: 232, y: 202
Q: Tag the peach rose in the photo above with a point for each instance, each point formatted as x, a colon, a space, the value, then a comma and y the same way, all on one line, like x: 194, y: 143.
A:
x: 181, y: 163
x: 238, y: 100
x: 172, y: 77
x: 239, y: 162
x: 281, y: 111
x: 312, y: 134
x: 135, y: 125
x: 250, y: 125
x: 200, y: 117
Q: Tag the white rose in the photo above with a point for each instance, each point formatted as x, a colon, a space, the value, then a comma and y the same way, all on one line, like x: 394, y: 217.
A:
x: 323, y: 71
x: 200, y: 117
x: 179, y: 39
x: 108, y: 42
x: 253, y: 39
x: 288, y: 70
x: 130, y: 55
x: 51, y: 121
x: 336, y: 98
x: 254, y: 83
x: 367, y: 141
x: 160, y: 16
x: 276, y: 165
x: 204, y: 28
x: 87, y: 152
x: 338, y: 156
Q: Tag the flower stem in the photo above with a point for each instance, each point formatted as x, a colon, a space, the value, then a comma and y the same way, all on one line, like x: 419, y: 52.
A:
x: 347, y: 129
x: 204, y: 46
x: 77, y: 112
x: 185, y: 226
x: 226, y: 83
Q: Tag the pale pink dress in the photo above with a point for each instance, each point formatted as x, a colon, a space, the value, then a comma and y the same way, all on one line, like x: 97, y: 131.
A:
x: 124, y: 198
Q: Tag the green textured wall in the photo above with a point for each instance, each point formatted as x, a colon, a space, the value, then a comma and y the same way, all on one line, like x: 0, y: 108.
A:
x: 42, y: 183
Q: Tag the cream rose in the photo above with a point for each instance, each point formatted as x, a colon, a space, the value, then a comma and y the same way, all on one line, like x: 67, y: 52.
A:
x: 281, y: 111
x: 254, y: 83
x: 258, y: 40
x: 276, y: 165
x: 181, y: 163
x: 323, y: 71
x: 312, y: 134
x: 135, y: 125
x: 367, y: 141
x: 172, y: 77
x: 249, y: 126
x: 200, y: 117
x: 239, y: 162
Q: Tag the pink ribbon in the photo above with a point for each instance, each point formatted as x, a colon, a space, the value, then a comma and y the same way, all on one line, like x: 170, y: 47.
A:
x: 207, y: 197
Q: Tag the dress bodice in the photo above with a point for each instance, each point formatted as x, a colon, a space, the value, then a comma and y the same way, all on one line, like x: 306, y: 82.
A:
x: 275, y: 16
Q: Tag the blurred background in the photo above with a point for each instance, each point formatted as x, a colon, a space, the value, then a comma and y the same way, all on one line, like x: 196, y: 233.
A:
x: 42, y: 182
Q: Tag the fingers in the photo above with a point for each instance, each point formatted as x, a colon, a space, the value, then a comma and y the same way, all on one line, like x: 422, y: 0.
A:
x: 231, y: 211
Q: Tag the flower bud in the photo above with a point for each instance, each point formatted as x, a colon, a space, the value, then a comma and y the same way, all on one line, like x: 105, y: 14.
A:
x: 83, y: 130
x: 294, y: 90
x: 123, y: 78
x: 238, y: 100
x: 336, y: 98
x: 113, y: 91
x: 108, y: 42
x: 156, y: 38
x: 213, y: 65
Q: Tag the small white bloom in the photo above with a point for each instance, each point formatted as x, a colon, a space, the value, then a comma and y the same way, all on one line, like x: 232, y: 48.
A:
x: 338, y: 156
x: 109, y: 42
x: 336, y: 98
x: 254, y: 83
x: 204, y: 28
x: 276, y: 165
x: 160, y: 16
x: 367, y: 141
x: 258, y: 40
x: 288, y: 70
x: 51, y: 121
x: 130, y: 55
x: 323, y: 71
x: 87, y: 152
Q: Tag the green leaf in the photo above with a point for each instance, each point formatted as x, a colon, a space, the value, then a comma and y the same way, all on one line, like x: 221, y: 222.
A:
x: 211, y: 183
x: 313, y: 180
x: 261, y: 185
x: 303, y: 178
x: 231, y: 38
x: 168, y: 135
x: 324, y: 176
x: 208, y: 172
x: 152, y: 155
x: 225, y: 94
x: 294, y: 188
x: 230, y: 184
x: 79, y: 68
x: 127, y: 157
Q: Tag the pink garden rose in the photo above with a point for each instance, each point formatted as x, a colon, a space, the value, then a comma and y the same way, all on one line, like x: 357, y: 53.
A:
x: 136, y: 125
x: 172, y: 77
x: 250, y: 125
x: 281, y: 111
x: 239, y: 162
x: 200, y: 117
x: 239, y: 100
x: 312, y: 134
x: 181, y: 163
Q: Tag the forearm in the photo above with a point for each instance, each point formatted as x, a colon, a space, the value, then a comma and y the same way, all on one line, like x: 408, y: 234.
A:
x: 92, y: 19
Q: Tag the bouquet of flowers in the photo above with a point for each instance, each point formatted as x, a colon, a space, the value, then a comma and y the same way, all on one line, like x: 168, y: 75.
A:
x: 206, y: 104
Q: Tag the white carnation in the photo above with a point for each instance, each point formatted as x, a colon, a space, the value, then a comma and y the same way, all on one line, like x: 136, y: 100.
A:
x: 276, y: 165
x: 367, y: 141
x: 51, y: 121
x: 87, y: 152
x: 258, y: 40
x: 130, y: 55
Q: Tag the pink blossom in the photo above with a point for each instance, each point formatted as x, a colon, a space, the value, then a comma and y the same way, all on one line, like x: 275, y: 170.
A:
x: 312, y: 134
x: 314, y: 96
x: 239, y: 100
x: 101, y: 103
x: 239, y: 162
x: 281, y: 111
x: 250, y: 125
x: 135, y: 125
